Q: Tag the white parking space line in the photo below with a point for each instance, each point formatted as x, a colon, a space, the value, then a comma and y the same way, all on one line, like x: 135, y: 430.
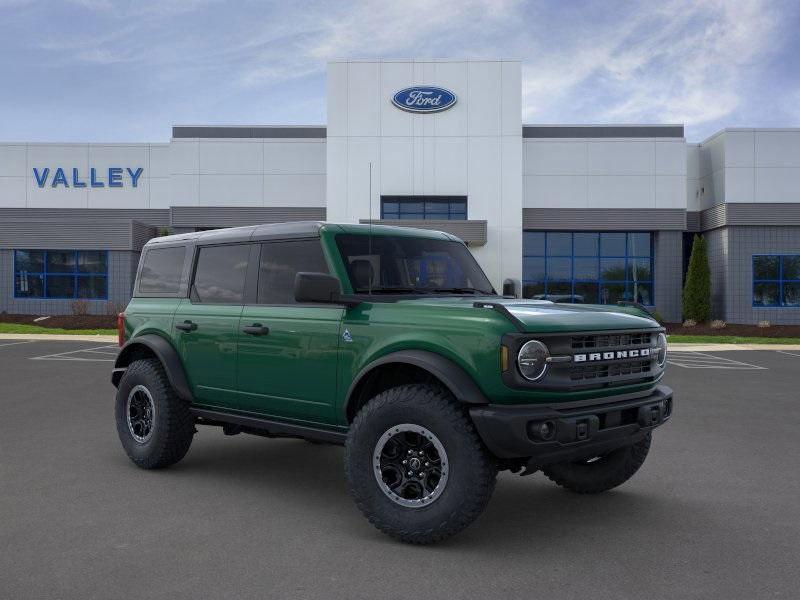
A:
x: 787, y: 353
x: 17, y: 343
x: 702, y: 360
x: 70, y: 355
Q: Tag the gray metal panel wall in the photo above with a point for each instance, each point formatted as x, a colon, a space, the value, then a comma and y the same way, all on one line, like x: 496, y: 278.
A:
x: 313, y: 132
x: 602, y: 131
x: 152, y: 216
x: 605, y: 219
x: 121, y: 273
x: 668, y: 276
x: 472, y: 232
x: 743, y: 243
x: 713, y: 217
x: 140, y: 233
x: 693, y: 223
x: 66, y: 234
x: 717, y: 250
x: 781, y: 214
x: 228, y: 216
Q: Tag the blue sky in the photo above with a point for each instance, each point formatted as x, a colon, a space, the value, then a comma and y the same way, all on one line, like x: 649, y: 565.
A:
x: 104, y: 70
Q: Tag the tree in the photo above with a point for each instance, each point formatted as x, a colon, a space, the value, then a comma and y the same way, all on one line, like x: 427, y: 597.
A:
x: 697, y: 290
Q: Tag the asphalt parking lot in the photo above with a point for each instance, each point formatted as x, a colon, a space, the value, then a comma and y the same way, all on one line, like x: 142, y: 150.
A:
x: 714, y: 512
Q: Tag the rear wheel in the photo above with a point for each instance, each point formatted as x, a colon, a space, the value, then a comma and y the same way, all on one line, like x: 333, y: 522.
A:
x: 600, y: 473
x: 415, y: 465
x: 153, y: 424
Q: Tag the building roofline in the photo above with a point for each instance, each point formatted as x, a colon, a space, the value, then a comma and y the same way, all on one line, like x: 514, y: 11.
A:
x: 603, y: 131
x: 249, y: 131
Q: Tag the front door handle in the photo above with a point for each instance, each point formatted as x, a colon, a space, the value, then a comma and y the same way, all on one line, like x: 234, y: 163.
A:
x: 186, y: 326
x: 256, y: 329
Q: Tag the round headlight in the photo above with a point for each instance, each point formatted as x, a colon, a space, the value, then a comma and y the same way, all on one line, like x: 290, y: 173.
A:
x: 532, y: 360
x: 661, y: 346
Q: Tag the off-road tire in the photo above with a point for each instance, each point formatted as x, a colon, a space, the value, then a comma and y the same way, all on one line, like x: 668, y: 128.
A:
x: 603, y: 474
x: 173, y: 425
x: 472, y: 470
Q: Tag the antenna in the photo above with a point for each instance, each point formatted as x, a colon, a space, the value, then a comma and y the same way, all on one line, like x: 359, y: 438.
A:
x: 369, y: 252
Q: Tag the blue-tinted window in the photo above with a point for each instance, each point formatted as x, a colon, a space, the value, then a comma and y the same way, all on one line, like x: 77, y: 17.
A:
x: 776, y: 280
x: 450, y: 208
x: 589, y: 267
x: 65, y: 274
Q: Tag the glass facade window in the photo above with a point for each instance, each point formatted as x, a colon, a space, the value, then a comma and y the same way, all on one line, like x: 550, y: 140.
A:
x: 450, y: 208
x: 776, y: 280
x: 61, y: 274
x: 588, y: 267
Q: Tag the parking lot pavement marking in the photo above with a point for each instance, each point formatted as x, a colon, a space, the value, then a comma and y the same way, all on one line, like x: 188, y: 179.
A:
x: 17, y: 343
x: 701, y: 360
x: 67, y: 355
x: 787, y: 353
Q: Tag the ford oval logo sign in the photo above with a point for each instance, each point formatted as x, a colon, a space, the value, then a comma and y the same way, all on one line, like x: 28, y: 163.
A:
x: 424, y: 99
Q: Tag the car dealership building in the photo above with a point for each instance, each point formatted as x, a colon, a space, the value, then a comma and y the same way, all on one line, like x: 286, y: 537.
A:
x: 574, y: 213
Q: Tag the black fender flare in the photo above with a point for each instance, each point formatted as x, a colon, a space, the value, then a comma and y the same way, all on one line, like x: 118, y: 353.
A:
x: 458, y: 381
x: 165, y: 353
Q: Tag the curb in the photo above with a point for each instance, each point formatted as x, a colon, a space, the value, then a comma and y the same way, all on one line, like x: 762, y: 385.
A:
x: 731, y: 347
x: 59, y: 337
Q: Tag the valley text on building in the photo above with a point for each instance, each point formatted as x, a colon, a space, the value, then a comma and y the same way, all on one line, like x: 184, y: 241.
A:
x: 573, y: 213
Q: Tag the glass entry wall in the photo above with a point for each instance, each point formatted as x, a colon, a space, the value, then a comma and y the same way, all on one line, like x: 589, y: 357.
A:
x: 588, y: 267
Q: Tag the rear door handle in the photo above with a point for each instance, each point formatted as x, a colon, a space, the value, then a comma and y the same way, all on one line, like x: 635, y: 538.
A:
x: 256, y: 329
x: 186, y: 326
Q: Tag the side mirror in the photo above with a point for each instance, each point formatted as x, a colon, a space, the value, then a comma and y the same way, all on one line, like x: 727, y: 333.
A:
x: 510, y: 288
x: 316, y: 287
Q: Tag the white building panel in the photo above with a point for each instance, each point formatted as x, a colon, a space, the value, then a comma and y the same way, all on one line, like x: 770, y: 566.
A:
x: 13, y: 160
x: 160, y: 192
x: 776, y: 148
x: 483, y: 97
x: 555, y: 157
x: 622, y: 191
x: 184, y: 190
x: 291, y: 157
x: 12, y: 192
x: 294, y: 190
x: 394, y: 76
x: 555, y: 191
x: 228, y: 157
x: 739, y: 148
x: 395, y: 165
x: 451, y: 173
x: 484, y: 178
x: 510, y: 97
x: 621, y: 157
x: 671, y: 158
x: 61, y: 197
x: 739, y: 184
x: 124, y: 197
x: 159, y: 161
x: 670, y: 191
x: 184, y: 157
x: 362, y: 99
x: 777, y: 185
x: 453, y: 76
x: 233, y: 190
x: 337, y: 98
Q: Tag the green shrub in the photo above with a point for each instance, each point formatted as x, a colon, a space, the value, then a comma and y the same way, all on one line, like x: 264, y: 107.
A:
x: 697, y: 290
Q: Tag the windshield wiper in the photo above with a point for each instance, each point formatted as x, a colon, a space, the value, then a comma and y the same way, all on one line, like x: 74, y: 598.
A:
x: 388, y: 290
x: 462, y: 290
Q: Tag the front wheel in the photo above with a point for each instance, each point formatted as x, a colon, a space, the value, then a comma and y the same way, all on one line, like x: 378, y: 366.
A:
x: 415, y: 465
x: 600, y: 473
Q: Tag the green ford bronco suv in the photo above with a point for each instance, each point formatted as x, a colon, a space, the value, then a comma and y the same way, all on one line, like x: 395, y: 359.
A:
x: 392, y: 342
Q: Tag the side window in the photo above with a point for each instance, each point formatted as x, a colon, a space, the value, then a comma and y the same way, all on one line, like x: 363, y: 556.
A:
x: 219, y: 276
x: 161, y: 270
x: 280, y: 262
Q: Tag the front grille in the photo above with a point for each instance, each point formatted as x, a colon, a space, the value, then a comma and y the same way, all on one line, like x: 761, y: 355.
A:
x: 593, y: 342
x: 595, y: 372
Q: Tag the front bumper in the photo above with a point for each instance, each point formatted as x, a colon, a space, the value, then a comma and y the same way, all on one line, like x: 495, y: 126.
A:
x: 572, y: 431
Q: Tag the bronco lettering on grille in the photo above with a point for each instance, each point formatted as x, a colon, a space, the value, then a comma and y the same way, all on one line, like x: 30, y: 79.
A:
x: 617, y: 354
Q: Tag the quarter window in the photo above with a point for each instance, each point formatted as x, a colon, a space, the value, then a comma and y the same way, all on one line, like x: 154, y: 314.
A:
x: 588, y: 267
x: 776, y: 280
x: 65, y: 274
x: 220, y: 274
x: 280, y: 263
x: 449, y: 208
x: 161, y: 270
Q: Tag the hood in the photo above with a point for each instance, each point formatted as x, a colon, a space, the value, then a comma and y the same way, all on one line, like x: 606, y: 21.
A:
x: 543, y: 316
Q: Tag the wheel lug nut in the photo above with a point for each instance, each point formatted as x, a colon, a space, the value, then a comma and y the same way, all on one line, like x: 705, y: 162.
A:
x: 427, y: 464
x: 410, y: 473
x: 405, y: 461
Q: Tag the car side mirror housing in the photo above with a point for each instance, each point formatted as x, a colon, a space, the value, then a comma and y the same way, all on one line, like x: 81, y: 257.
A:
x: 320, y: 288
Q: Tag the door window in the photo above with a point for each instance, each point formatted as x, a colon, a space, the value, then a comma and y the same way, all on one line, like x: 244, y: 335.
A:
x: 280, y: 262
x: 220, y: 274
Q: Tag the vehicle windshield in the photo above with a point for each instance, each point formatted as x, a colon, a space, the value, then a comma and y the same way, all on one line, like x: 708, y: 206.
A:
x: 410, y: 265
